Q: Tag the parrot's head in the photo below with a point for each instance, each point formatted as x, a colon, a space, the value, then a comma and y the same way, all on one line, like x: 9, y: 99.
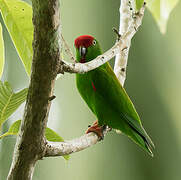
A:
x: 87, y: 48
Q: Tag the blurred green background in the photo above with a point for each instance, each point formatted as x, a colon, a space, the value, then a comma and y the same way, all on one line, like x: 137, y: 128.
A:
x: 153, y: 83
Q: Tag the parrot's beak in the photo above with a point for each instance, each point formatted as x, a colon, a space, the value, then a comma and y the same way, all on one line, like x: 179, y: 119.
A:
x: 82, y: 51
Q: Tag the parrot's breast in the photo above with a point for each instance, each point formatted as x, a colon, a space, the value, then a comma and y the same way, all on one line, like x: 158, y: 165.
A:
x: 86, y: 88
x: 90, y: 92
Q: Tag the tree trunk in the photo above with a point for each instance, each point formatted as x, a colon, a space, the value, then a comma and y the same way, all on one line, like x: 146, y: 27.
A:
x: 30, y: 145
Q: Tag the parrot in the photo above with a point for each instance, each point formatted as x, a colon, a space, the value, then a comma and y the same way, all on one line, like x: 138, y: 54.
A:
x: 106, y: 98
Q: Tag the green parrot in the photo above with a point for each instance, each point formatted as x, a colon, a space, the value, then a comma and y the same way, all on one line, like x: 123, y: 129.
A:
x: 106, y: 97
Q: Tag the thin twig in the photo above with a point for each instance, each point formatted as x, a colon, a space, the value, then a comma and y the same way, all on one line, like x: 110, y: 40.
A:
x: 117, y: 33
x: 67, y: 49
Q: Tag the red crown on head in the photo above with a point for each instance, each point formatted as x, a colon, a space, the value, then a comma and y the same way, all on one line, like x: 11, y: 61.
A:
x: 84, y: 40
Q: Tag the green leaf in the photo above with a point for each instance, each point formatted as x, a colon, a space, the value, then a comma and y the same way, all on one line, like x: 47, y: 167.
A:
x: 49, y: 134
x: 17, y: 16
x: 9, y: 101
x: 161, y: 10
x: 1, y: 52
x: 139, y: 4
x: 13, y: 130
x: 52, y: 135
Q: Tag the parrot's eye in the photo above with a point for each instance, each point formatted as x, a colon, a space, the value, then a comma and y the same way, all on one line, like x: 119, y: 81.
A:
x: 94, y: 42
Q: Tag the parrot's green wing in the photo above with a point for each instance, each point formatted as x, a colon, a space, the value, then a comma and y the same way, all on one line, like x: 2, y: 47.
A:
x: 108, y: 86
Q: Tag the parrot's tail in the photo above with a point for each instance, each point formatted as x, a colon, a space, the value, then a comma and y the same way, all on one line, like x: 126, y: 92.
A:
x: 148, y: 144
x: 138, y: 134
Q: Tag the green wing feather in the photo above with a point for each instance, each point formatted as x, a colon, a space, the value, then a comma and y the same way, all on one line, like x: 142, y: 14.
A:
x: 108, y: 86
x: 110, y: 103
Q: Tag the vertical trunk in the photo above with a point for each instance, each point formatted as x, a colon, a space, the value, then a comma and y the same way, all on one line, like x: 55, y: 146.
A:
x: 30, y: 145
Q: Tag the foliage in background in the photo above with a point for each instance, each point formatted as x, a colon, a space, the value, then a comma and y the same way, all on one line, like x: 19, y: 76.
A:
x: 17, y: 16
x: 1, y: 52
x: 161, y: 10
x: 139, y: 4
x: 13, y: 130
x: 9, y: 101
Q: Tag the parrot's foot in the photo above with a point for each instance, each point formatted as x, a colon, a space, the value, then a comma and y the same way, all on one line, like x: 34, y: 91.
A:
x: 96, y: 129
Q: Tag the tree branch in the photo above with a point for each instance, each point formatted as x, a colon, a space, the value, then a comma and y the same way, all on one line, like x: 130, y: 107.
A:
x: 75, y: 145
x: 100, y: 60
x: 128, y: 26
x: 31, y: 143
x: 65, y: 148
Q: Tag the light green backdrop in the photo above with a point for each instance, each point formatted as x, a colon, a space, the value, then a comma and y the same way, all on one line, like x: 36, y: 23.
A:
x: 153, y: 83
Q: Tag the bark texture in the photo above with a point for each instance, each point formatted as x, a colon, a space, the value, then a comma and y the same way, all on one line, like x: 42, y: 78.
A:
x: 30, y: 145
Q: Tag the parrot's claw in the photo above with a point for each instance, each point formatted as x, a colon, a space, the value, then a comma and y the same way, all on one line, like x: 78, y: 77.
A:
x: 96, y: 129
